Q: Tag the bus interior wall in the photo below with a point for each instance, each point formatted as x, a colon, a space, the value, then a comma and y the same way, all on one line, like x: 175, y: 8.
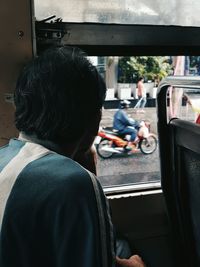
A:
x: 16, y: 49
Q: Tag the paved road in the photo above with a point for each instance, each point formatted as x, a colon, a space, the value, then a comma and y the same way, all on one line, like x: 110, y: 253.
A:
x: 125, y: 169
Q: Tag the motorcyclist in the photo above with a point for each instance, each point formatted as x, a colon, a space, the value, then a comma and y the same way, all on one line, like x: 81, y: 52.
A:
x: 125, y: 125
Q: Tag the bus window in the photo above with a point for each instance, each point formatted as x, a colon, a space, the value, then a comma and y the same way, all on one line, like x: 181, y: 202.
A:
x: 184, y: 103
x: 146, y: 12
x: 116, y: 166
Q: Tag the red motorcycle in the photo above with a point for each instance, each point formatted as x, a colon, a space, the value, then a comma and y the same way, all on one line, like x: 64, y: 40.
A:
x: 109, y: 142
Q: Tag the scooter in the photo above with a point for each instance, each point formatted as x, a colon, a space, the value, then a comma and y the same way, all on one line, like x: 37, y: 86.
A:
x: 109, y: 142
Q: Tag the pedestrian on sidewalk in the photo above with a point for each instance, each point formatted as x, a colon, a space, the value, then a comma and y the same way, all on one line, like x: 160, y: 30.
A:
x: 141, y: 93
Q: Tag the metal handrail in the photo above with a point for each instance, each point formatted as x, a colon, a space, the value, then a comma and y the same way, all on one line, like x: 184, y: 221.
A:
x: 180, y: 81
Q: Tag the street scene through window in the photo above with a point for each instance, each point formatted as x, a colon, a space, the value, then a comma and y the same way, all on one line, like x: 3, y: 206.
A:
x: 127, y: 143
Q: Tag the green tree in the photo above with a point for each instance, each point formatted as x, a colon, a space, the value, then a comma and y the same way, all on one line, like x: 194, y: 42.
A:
x: 125, y: 71
x: 149, y: 67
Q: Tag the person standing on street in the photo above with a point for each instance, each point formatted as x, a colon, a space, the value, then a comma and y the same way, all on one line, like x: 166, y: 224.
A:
x: 141, y: 93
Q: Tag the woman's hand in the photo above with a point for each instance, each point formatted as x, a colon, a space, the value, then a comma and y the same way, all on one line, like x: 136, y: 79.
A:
x: 133, y: 261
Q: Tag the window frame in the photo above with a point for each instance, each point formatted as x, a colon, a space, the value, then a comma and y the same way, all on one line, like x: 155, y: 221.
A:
x: 120, y: 40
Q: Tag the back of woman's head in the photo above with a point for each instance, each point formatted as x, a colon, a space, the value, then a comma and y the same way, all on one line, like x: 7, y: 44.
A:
x: 140, y: 79
x: 57, y: 94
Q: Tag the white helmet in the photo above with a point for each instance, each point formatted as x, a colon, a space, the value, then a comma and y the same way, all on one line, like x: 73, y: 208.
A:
x: 125, y: 103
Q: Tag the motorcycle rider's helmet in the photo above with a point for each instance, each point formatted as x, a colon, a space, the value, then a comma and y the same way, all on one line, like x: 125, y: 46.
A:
x: 125, y: 104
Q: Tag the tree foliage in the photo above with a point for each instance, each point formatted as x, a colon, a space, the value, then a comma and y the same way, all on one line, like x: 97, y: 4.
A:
x: 149, y: 67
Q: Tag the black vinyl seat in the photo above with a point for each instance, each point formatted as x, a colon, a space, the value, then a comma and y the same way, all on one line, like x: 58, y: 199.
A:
x: 182, y: 193
x: 179, y: 144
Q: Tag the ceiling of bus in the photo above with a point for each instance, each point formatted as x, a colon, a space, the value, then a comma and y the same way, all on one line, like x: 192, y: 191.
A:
x: 152, y: 12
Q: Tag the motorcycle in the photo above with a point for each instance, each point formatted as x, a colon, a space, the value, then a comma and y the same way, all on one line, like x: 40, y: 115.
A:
x: 109, y: 142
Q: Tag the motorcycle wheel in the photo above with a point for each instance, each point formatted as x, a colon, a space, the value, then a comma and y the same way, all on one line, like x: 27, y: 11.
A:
x: 102, y: 153
x: 148, y: 145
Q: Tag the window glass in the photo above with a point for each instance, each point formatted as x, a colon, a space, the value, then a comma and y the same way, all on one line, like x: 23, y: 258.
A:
x: 116, y: 164
x: 119, y: 162
x: 184, y: 104
x: 154, y: 12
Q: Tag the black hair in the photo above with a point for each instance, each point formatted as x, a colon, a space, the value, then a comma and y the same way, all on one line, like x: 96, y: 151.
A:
x: 57, y: 94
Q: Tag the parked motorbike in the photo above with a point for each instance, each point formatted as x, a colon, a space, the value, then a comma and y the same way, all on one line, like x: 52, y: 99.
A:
x: 109, y: 142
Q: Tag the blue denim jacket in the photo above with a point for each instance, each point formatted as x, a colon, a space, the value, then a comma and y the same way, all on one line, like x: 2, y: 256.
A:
x: 121, y: 121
